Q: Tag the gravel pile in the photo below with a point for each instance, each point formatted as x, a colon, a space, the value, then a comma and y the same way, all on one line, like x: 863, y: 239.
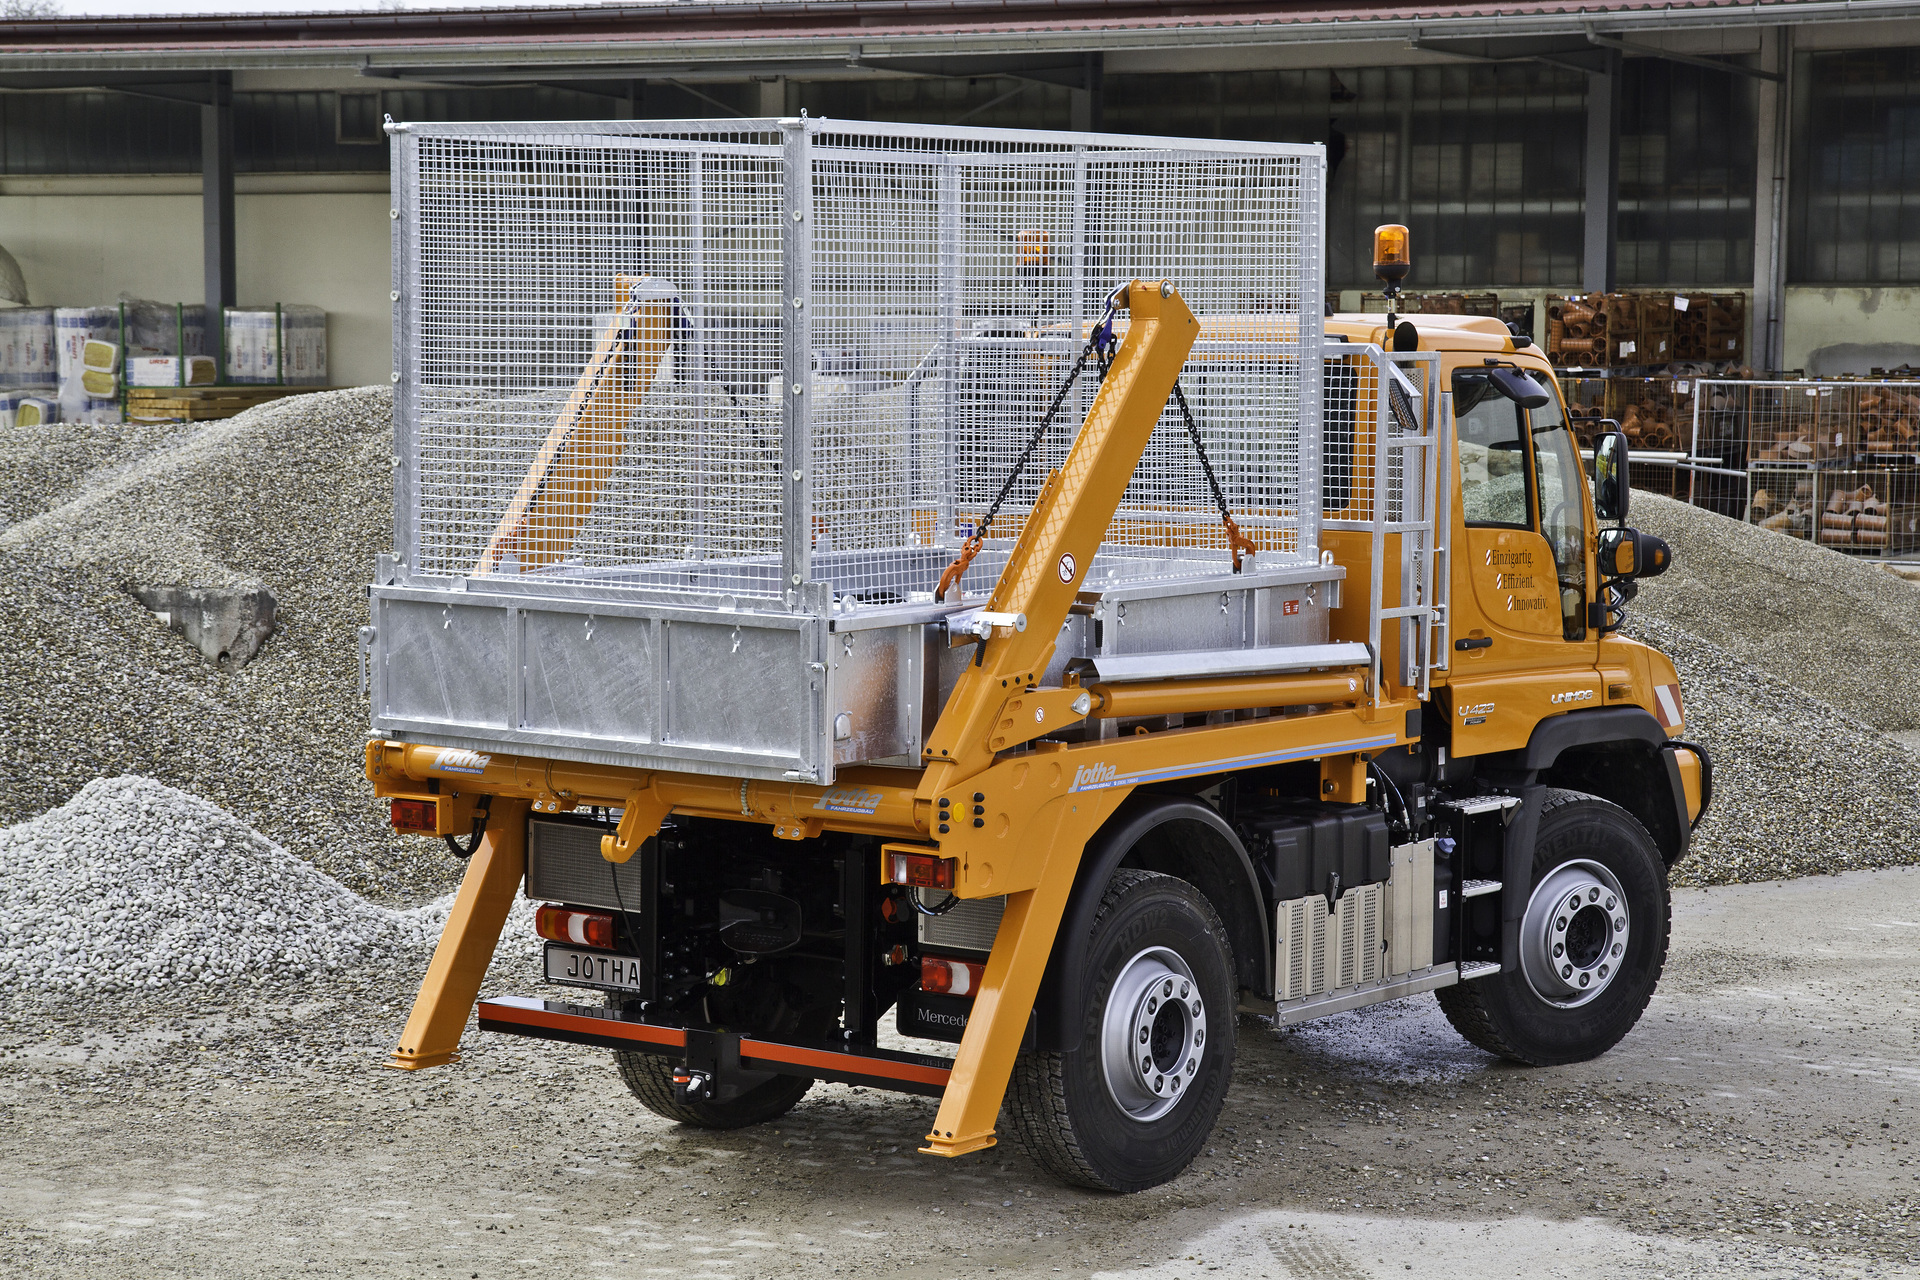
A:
x: 296, y: 495
x: 1799, y: 787
x: 1843, y: 629
x: 133, y: 885
x: 1793, y: 659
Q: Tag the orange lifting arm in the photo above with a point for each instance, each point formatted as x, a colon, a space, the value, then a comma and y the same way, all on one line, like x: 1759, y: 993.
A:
x: 1043, y: 574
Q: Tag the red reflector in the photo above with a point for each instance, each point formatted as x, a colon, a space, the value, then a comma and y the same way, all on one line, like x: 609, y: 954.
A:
x: 921, y: 870
x: 582, y: 928
x: 415, y: 815
x: 950, y: 977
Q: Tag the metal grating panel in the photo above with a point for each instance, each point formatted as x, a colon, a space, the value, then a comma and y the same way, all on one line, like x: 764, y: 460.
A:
x: 564, y: 865
x: 970, y: 926
x: 743, y: 358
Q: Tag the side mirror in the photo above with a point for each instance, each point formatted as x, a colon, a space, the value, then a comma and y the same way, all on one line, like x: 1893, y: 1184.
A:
x: 1610, y: 477
x: 1628, y: 553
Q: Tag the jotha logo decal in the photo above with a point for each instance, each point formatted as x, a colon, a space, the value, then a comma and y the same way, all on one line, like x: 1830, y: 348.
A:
x: 849, y: 800
x: 1094, y: 777
x: 456, y: 760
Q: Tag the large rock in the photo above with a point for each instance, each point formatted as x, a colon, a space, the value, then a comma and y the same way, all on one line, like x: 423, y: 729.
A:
x: 227, y: 624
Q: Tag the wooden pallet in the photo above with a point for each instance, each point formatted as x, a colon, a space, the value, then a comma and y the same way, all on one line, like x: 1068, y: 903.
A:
x: 203, y: 404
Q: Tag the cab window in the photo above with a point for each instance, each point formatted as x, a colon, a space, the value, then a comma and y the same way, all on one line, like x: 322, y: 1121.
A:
x: 1493, y: 464
x: 1563, y: 509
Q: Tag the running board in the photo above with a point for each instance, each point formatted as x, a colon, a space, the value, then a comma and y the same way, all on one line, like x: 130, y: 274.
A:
x: 1478, y: 969
x: 1287, y: 1012
x: 607, y: 1029
x: 1474, y: 888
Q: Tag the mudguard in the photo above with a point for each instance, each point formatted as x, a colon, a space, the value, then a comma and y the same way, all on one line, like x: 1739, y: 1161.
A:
x: 1223, y: 872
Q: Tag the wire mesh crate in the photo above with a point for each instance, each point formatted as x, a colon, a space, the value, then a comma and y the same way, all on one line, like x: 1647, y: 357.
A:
x: 1868, y: 511
x: 720, y: 400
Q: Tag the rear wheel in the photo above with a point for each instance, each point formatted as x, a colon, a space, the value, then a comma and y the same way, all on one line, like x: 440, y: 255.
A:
x: 1133, y: 1105
x: 1593, y: 941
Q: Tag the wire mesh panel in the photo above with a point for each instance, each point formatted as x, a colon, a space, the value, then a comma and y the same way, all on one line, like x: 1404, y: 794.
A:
x: 781, y: 359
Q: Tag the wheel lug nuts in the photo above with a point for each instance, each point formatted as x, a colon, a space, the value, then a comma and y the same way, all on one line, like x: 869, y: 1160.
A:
x: 1593, y: 895
x: 1196, y: 1008
x: 1603, y: 971
x: 1620, y: 922
x: 1585, y: 978
x: 1566, y: 971
x: 1143, y: 1035
x: 1168, y: 989
x: 1616, y: 950
x: 1559, y: 949
x: 1152, y: 1005
x: 1185, y: 988
x: 1610, y: 901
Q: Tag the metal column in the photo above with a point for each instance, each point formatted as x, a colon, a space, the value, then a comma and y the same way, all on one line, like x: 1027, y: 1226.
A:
x: 1084, y: 102
x: 1773, y: 115
x: 216, y: 211
x: 1603, y: 176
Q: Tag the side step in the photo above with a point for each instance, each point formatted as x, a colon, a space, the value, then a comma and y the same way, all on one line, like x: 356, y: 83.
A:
x: 1474, y: 888
x: 607, y: 1029
x: 1478, y: 969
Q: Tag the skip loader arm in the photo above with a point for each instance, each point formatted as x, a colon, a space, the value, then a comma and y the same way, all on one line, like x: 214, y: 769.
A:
x: 1047, y: 566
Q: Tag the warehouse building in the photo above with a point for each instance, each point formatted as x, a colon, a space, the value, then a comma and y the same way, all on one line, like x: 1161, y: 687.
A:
x: 1771, y: 149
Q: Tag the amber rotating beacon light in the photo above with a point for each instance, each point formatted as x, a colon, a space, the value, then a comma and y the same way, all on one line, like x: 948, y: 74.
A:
x: 1392, y: 260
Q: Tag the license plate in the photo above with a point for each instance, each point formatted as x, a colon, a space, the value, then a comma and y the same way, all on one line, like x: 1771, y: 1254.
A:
x: 573, y: 967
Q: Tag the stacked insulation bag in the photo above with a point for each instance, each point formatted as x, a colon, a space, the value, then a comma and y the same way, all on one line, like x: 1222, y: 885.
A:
x: 87, y: 349
x: 287, y: 344
x: 28, y: 370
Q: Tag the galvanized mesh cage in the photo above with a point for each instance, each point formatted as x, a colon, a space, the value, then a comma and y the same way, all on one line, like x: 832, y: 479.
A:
x: 794, y: 361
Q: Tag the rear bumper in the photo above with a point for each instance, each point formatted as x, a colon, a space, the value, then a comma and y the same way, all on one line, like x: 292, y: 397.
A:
x: 607, y: 1029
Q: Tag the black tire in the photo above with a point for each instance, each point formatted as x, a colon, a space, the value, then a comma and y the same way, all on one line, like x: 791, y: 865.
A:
x: 650, y: 1078
x: 1509, y: 1014
x: 1064, y: 1110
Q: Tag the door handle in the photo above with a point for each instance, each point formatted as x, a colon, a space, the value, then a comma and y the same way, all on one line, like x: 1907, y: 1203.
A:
x: 1473, y: 642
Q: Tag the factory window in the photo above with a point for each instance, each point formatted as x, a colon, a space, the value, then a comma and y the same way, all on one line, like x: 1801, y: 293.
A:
x: 1687, y: 154
x: 358, y: 119
x: 1483, y: 163
x: 312, y: 131
x: 1855, y: 217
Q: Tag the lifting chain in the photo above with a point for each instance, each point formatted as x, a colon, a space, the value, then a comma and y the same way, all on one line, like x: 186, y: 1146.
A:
x: 1101, y: 344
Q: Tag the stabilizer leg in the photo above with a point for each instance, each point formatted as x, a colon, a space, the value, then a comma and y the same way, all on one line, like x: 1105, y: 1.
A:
x: 452, y: 984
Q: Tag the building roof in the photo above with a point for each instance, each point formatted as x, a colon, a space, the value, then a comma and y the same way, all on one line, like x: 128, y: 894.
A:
x: 667, y: 34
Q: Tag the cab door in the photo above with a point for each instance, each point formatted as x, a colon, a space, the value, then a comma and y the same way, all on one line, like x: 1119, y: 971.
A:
x: 1524, y: 576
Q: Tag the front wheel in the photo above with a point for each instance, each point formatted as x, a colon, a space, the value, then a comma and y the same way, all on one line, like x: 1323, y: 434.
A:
x: 1593, y: 941
x: 1133, y: 1105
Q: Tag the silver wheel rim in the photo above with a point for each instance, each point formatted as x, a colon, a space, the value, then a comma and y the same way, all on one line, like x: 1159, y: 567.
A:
x: 1574, y: 936
x: 1153, y: 1034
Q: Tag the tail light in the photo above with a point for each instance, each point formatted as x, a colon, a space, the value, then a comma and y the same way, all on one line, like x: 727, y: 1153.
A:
x: 950, y: 977
x: 415, y: 815
x: 920, y: 870
x: 583, y: 928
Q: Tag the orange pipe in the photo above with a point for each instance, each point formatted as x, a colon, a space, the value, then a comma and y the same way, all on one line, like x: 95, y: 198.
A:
x: 858, y: 802
x: 1234, y: 693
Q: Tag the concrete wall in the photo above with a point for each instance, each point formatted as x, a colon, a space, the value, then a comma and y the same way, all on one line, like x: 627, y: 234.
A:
x: 85, y: 241
x: 1830, y: 331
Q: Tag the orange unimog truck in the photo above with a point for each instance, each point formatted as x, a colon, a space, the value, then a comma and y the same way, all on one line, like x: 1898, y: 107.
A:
x: 850, y: 572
